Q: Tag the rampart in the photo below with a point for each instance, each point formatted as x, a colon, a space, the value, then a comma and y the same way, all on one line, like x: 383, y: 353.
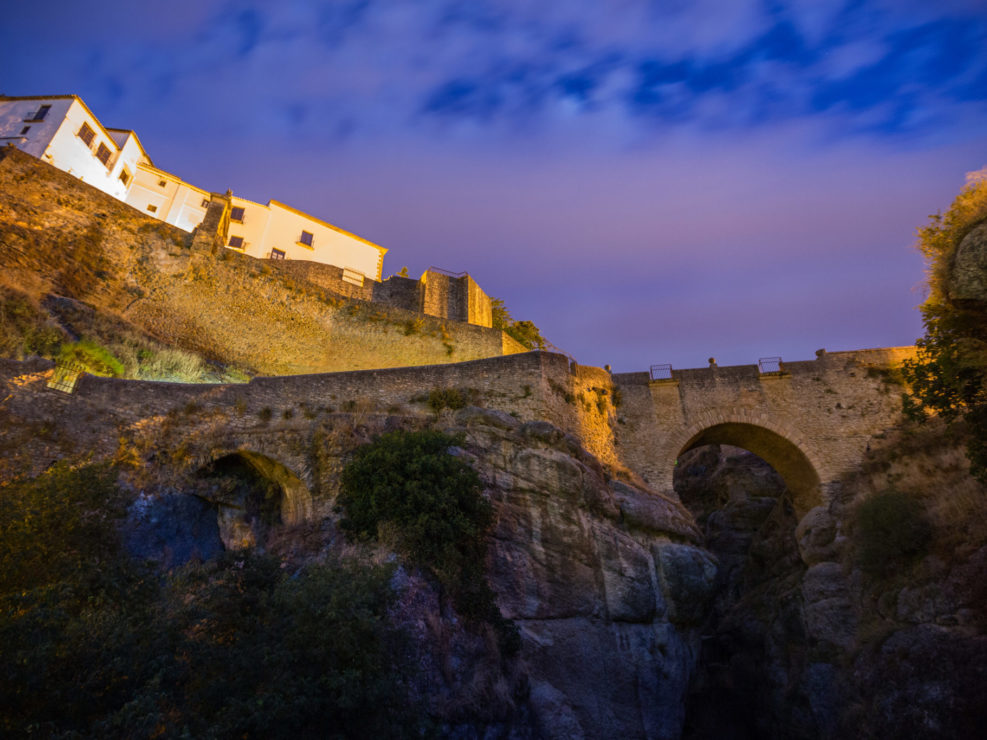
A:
x: 435, y: 294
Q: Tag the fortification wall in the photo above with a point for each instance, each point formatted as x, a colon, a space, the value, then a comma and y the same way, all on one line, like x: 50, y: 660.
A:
x: 60, y: 235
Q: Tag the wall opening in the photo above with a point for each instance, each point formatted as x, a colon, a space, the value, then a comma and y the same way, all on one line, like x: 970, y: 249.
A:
x: 254, y: 495
x: 784, y: 456
x: 742, y: 687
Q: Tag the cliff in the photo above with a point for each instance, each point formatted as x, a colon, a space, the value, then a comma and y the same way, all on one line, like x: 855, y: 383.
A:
x: 79, y: 263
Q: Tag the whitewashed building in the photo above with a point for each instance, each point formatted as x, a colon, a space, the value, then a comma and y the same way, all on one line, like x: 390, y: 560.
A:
x: 278, y: 231
x: 163, y: 195
x: 61, y: 130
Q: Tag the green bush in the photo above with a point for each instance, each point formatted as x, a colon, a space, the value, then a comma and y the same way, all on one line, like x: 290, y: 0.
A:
x: 446, y: 398
x: 96, y: 645
x: 891, y: 528
x: 94, y: 358
x: 406, y: 487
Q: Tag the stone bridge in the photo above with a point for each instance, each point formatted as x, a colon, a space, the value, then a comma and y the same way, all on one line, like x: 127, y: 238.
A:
x: 812, y: 421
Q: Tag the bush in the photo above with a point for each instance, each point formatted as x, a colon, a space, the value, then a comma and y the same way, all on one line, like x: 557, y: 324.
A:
x: 446, y: 398
x: 95, y: 359
x: 891, y: 528
x: 432, y: 500
x: 95, y: 645
x: 405, y: 486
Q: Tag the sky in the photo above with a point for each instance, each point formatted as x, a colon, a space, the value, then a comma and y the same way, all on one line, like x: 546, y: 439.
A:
x: 649, y: 182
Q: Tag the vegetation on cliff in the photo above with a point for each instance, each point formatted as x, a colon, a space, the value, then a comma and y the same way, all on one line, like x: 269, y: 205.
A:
x: 524, y: 332
x: 949, y: 376
x: 406, y: 489
x: 97, y: 644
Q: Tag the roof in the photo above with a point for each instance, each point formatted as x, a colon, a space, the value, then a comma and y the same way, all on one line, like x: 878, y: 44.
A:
x: 133, y: 133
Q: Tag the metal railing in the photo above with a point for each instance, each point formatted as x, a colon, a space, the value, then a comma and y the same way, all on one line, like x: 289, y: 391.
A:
x: 447, y: 273
x: 661, y: 372
x: 65, y: 376
x: 769, y: 365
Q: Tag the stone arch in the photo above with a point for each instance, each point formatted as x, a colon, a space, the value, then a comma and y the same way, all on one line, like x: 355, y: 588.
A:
x: 781, y: 448
x: 296, y: 499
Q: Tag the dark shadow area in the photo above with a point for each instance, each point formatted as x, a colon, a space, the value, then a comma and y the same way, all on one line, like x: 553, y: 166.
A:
x: 781, y: 454
x: 751, y: 661
x: 248, y: 503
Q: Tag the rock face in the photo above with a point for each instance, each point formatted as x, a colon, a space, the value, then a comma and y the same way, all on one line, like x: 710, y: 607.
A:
x: 968, y: 276
x: 800, y: 643
x: 603, y: 579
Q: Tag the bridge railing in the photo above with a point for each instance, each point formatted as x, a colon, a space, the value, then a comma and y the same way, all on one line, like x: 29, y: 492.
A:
x: 661, y: 372
x: 767, y: 365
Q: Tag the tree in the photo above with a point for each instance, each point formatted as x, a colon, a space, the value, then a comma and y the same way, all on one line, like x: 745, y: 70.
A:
x: 949, y: 375
x: 524, y: 332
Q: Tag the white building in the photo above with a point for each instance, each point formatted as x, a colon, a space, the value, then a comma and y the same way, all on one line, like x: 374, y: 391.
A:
x: 278, y: 231
x: 61, y: 130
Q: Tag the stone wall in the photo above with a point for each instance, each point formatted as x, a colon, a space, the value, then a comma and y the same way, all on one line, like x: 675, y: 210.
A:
x: 61, y: 236
x: 825, y: 411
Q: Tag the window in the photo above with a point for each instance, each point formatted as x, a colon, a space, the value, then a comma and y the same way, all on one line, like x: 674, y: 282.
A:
x: 40, y: 114
x: 236, y: 214
x: 162, y: 183
x: 236, y: 242
x: 103, y: 153
x: 124, y: 177
x: 277, y: 254
x: 87, y: 134
x: 205, y: 202
x: 306, y: 238
x: 152, y: 209
x: 25, y: 130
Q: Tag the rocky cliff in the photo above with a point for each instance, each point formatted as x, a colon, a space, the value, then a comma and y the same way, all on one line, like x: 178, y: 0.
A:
x: 79, y: 264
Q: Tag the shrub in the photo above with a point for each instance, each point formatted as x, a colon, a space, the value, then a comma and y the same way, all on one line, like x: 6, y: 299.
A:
x: 446, y: 398
x: 891, y: 528
x: 407, y: 487
x: 94, y: 358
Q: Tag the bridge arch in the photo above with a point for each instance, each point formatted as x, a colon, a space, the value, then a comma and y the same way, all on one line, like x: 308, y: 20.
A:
x: 783, y: 449
x: 253, y: 494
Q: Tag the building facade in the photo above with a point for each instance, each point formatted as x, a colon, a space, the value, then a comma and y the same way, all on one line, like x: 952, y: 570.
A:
x: 61, y: 130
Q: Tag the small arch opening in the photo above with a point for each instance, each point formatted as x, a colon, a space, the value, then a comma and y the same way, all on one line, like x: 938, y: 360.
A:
x: 253, y: 495
x: 785, y: 457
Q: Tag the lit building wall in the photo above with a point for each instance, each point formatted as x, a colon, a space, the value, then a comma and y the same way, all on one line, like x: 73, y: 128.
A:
x: 162, y: 195
x: 62, y: 131
x: 279, y: 231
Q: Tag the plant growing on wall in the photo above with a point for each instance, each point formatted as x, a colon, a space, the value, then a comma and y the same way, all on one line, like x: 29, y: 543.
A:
x: 524, y: 332
x: 949, y: 375
x: 407, y: 488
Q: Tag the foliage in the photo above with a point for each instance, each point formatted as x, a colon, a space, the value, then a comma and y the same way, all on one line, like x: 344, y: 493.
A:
x: 891, y: 527
x: 24, y: 328
x: 431, y: 499
x: 96, y: 359
x: 96, y: 645
x: 949, y: 375
x: 525, y: 332
x: 405, y: 486
x: 446, y: 398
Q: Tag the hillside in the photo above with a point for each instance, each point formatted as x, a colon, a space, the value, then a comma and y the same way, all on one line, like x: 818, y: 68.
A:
x: 80, y: 265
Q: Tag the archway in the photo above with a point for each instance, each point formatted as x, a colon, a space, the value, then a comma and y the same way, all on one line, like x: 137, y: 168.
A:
x: 786, y: 457
x: 254, y: 494
x: 747, y: 486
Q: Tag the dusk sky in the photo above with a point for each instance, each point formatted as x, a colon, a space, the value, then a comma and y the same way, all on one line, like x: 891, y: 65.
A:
x: 649, y: 182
